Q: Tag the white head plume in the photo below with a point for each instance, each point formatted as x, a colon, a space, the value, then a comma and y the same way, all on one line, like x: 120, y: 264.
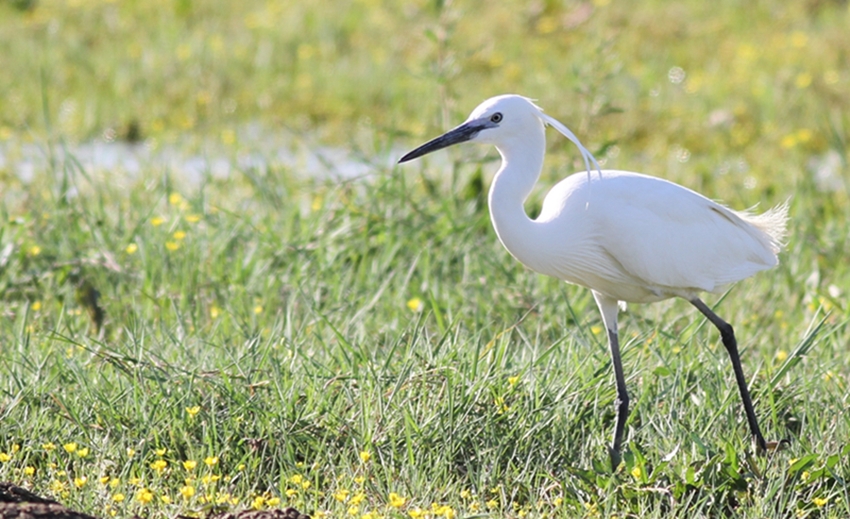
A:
x: 585, y: 153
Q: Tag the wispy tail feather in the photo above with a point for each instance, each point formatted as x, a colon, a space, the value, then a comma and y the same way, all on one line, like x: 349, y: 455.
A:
x: 774, y: 223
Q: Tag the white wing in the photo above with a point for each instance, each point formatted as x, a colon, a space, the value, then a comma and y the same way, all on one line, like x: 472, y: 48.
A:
x: 642, y: 232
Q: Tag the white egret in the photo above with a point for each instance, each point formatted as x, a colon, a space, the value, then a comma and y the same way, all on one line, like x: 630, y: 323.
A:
x: 626, y: 236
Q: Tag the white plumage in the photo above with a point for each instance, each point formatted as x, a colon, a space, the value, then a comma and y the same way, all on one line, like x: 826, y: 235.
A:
x: 626, y: 236
x: 647, y: 239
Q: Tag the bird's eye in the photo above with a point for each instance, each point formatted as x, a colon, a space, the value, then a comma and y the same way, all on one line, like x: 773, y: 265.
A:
x: 496, y: 117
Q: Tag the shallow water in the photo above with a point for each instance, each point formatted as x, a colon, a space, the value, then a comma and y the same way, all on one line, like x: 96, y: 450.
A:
x: 192, y: 159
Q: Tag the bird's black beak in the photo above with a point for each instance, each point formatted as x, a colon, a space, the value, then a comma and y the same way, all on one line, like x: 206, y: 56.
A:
x: 462, y: 133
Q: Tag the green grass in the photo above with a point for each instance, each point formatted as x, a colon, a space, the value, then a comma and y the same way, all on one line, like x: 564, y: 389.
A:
x: 279, y: 327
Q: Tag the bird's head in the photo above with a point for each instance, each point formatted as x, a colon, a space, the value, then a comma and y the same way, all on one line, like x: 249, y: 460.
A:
x: 498, y: 120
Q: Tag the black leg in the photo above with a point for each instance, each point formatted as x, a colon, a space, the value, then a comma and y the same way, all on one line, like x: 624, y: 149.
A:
x: 728, y: 337
x: 622, y: 399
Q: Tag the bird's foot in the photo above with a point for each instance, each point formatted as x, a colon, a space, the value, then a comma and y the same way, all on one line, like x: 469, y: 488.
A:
x: 772, y: 446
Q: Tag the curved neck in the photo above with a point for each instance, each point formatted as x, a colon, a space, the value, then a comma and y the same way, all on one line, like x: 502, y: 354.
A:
x: 522, y: 162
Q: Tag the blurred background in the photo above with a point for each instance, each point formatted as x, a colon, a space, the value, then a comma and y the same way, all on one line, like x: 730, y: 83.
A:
x: 686, y: 90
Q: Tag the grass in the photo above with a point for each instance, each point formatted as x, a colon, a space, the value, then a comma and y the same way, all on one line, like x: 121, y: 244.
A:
x: 366, y: 347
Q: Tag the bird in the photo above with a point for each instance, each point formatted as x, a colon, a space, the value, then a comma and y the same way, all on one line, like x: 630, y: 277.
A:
x: 626, y: 236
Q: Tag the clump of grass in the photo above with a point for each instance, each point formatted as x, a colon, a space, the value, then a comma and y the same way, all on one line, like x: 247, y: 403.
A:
x: 272, y: 340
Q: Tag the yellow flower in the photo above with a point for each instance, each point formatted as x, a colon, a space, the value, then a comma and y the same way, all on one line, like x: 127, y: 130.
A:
x: 160, y: 452
x: 512, y: 381
x: 103, y: 480
x: 131, y: 249
x: 357, y: 498
x: 156, y: 221
x: 144, y: 496
x: 114, y: 482
x: 178, y: 235
x: 189, y: 465
x: 70, y: 447
x: 341, y: 495
x: 228, y: 136
x: 258, y: 309
x: 35, y: 250
x: 57, y: 486
x: 781, y: 355
x: 803, y: 80
x: 175, y: 199
x: 134, y: 481
x: 465, y: 494
x: 558, y: 501
x: 49, y: 446
x: 296, y: 479
x: 165, y: 499
x: 365, y: 456
x: 172, y: 245
x: 210, y: 478
x: 214, y: 312
x: 80, y: 482
x: 83, y: 452
x: 192, y: 218
x: 159, y: 465
x: 257, y: 503
x: 636, y: 472
x: 396, y: 501
x: 29, y: 471
x: 273, y: 501
x: 290, y: 492
x: 305, y: 485
x: 4, y: 457
x: 130, y: 452
x: 187, y: 491
x: 547, y: 24
x: 789, y: 141
x: 118, y: 497
x: 799, y: 39
x: 211, y: 460
x: 415, y: 304
x: 491, y: 504
x: 36, y: 306
x: 416, y: 513
x: 595, y: 329
x: 820, y: 501
x: 193, y: 410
